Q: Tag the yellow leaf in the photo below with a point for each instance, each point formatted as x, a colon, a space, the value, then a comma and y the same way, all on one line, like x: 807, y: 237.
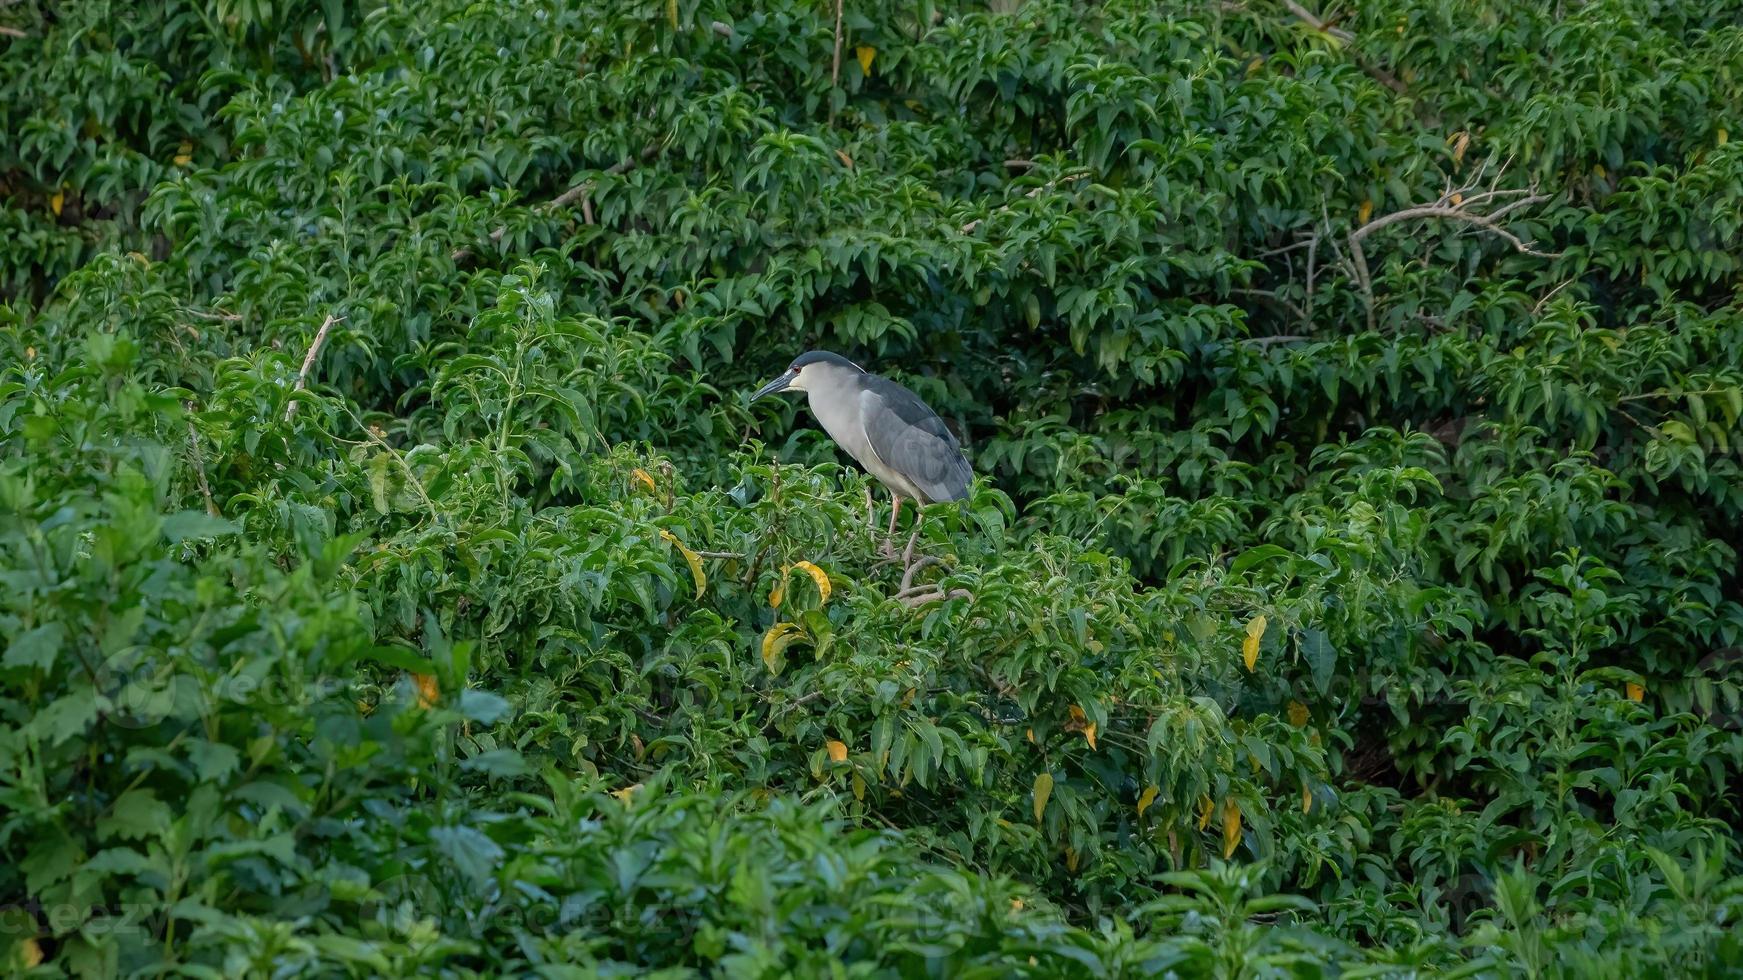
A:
x: 1297, y: 714
x: 858, y: 786
x: 775, y: 641
x: 837, y: 750
x: 1231, y: 827
x: 1457, y: 199
x: 1365, y: 213
x: 1080, y: 723
x: 1306, y: 798
x: 1071, y: 859
x: 1030, y: 734
x: 1250, y: 646
x: 32, y: 953
x: 641, y: 476
x: 694, y: 560
x: 1461, y: 143
x: 627, y: 794
x: 55, y: 202
x: 1205, y: 809
x: 818, y: 576
x: 672, y: 13
x: 1043, y: 789
x: 866, y: 53
x: 846, y: 160
x: 1724, y: 137
x: 1636, y: 692
x: 778, y: 593
x: 428, y: 689
x: 1148, y: 797
x: 1016, y: 905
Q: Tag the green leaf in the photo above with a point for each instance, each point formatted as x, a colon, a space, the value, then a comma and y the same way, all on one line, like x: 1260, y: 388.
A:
x: 35, y: 647
x: 471, y: 852
x: 1321, y: 659
x: 136, y: 815
x: 482, y: 707
x: 497, y: 763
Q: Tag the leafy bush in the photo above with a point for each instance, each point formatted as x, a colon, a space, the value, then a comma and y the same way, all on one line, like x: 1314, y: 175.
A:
x: 396, y: 580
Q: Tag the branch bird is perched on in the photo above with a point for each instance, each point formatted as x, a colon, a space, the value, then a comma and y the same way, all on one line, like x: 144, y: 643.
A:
x: 885, y: 427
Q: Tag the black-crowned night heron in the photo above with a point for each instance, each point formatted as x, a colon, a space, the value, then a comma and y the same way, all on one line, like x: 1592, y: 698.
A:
x: 885, y: 427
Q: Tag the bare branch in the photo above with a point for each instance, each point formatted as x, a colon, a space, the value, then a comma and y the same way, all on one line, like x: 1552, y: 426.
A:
x: 1307, y: 17
x: 1540, y: 304
x: 936, y: 595
x: 199, y: 461
x: 219, y: 316
x: 1273, y: 297
x: 1483, y: 208
x: 1459, y: 212
x: 835, y: 64
x: 309, y: 361
x: 1264, y: 342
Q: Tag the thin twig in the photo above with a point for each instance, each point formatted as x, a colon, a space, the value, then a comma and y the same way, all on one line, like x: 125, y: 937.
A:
x: 1540, y: 304
x: 1273, y: 297
x: 1264, y: 342
x: 220, y: 316
x: 1303, y: 243
x: 1307, y: 17
x: 12, y: 32
x: 835, y: 65
x: 913, y: 602
x: 410, y: 475
x: 199, y: 460
x: 309, y: 362
x: 1666, y: 393
x: 1455, y: 204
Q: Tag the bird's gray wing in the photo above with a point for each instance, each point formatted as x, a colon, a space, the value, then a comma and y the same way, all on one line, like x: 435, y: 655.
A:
x: 912, y: 440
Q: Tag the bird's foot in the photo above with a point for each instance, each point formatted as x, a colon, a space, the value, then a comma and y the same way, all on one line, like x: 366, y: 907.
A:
x: 912, y: 595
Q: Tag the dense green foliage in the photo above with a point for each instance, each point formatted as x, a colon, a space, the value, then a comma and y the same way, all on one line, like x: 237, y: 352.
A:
x: 395, y: 579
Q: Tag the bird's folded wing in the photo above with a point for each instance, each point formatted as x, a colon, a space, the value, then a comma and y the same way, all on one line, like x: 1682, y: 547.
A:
x: 911, y: 439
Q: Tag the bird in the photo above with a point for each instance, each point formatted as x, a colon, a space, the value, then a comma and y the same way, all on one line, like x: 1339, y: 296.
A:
x: 886, y: 428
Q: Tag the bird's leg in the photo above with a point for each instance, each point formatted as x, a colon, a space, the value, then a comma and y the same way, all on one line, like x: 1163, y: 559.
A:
x: 912, y: 595
x: 890, y: 534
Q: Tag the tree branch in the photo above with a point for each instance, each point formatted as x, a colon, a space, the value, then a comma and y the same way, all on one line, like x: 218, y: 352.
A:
x: 1480, y: 207
x: 309, y: 361
x: 199, y: 461
x: 1307, y: 17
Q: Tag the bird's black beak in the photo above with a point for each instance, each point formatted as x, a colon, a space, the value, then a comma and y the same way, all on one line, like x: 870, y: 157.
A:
x: 774, y: 387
